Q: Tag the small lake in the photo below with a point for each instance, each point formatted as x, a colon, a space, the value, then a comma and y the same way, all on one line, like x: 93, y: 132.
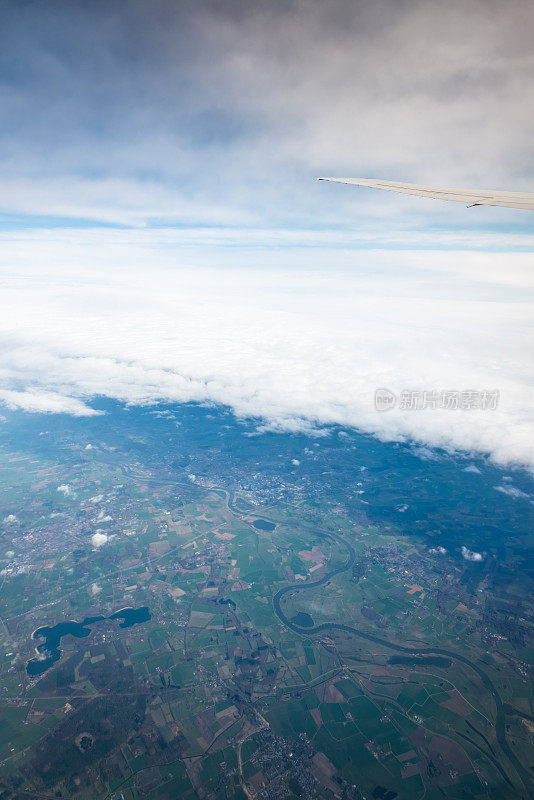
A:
x: 263, y: 525
x: 50, y: 651
x: 228, y: 602
x: 131, y: 616
x: 302, y: 619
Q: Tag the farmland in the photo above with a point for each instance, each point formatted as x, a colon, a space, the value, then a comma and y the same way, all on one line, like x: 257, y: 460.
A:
x: 286, y: 648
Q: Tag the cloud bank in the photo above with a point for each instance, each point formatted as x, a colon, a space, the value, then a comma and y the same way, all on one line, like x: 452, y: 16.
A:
x: 290, y: 347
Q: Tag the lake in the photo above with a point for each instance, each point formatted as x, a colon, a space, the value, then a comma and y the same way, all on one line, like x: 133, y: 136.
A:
x: 263, y: 525
x: 50, y: 651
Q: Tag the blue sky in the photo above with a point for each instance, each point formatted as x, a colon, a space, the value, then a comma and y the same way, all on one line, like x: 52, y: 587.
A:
x: 223, y: 114
x: 161, y: 225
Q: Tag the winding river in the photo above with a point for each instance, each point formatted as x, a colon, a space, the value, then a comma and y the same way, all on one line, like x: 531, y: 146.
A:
x: 500, y: 731
x: 330, y: 626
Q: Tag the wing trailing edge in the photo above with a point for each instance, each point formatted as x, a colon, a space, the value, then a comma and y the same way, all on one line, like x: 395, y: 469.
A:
x: 471, y: 197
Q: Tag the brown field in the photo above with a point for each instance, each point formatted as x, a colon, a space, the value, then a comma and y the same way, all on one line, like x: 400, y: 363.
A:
x: 316, y: 714
x: 328, y: 693
x: 324, y: 770
x: 457, y: 704
x: 451, y: 753
x: 315, y: 554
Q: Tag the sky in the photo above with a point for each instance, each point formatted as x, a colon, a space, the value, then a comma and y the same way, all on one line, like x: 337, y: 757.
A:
x: 163, y: 236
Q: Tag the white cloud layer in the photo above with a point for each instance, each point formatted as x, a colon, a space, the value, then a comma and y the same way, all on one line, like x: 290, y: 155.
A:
x: 291, y: 346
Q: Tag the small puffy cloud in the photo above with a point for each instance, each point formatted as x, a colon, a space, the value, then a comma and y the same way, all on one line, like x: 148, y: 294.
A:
x: 10, y: 553
x: 95, y: 589
x: 64, y: 489
x: 295, y: 462
x: 471, y: 555
x: 99, y: 538
x: 439, y: 551
x: 512, y: 491
x: 88, y: 446
x: 41, y: 655
x: 97, y: 498
x: 10, y: 519
x: 102, y: 517
x: 472, y: 468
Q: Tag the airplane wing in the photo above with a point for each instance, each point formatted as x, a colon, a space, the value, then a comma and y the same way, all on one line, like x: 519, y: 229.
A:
x: 472, y: 197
